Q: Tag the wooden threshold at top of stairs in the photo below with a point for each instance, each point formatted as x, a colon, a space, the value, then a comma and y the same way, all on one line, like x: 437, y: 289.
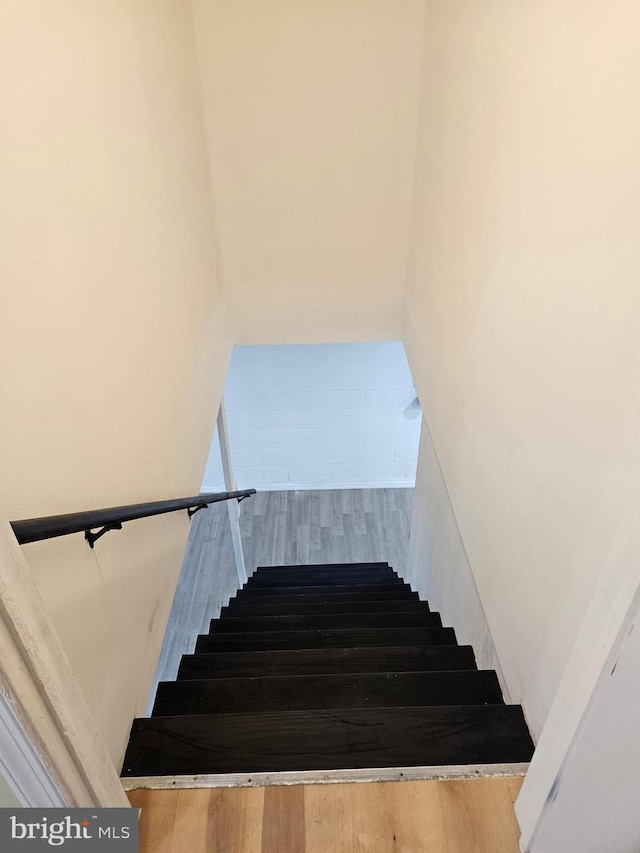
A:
x: 325, y: 777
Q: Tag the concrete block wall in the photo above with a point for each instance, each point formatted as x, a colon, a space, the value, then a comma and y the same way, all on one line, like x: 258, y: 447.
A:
x: 319, y: 416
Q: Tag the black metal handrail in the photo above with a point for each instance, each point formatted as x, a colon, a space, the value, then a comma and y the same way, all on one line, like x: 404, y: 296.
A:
x: 35, y: 529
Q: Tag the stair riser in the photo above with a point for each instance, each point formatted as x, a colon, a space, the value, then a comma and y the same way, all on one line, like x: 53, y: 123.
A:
x: 359, y: 690
x: 289, y: 575
x: 303, y: 580
x: 305, y: 597
x: 323, y: 566
x: 324, y: 740
x: 318, y: 662
x: 329, y: 567
x: 389, y: 590
x: 324, y: 622
x: 325, y: 639
x: 236, y: 610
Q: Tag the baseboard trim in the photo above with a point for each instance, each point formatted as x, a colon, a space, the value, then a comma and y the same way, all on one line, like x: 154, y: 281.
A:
x: 326, y: 777
x: 313, y: 487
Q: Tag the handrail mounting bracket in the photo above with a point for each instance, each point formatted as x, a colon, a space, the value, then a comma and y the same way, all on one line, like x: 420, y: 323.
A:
x: 92, y: 538
x: 192, y: 510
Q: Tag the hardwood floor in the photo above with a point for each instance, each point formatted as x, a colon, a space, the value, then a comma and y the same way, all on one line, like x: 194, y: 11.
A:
x: 350, y: 525
x: 469, y: 816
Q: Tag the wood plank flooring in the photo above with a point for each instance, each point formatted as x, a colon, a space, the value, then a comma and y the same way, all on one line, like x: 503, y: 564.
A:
x: 279, y: 528
x: 464, y: 816
x: 325, y: 526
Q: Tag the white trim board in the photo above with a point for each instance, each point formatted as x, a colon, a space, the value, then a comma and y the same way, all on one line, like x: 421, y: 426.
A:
x: 313, y: 487
x: 54, y: 738
x: 326, y: 777
x: 233, y: 507
x: 21, y: 766
x: 601, y: 635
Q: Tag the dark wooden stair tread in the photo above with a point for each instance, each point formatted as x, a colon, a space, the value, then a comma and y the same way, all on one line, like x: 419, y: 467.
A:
x: 237, y: 609
x: 318, y: 662
x: 324, y: 621
x: 307, y: 692
x: 304, y: 597
x: 326, y: 740
x: 339, y: 638
x: 312, y: 571
x: 322, y: 667
x: 335, y: 572
x: 306, y: 589
x: 302, y: 580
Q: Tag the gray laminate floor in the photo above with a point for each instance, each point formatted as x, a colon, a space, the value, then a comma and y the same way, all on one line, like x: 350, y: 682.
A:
x: 278, y: 528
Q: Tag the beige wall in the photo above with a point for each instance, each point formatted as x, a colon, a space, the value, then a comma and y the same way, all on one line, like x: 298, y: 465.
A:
x: 438, y: 565
x: 523, y: 304
x: 522, y: 307
x: 113, y: 338
x: 311, y: 111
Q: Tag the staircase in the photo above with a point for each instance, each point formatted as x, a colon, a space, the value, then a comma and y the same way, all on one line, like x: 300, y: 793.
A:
x: 321, y: 668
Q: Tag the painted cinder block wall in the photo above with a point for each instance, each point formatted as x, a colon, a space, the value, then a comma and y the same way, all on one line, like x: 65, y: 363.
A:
x: 319, y: 416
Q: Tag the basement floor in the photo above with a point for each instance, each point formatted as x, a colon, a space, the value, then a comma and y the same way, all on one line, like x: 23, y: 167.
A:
x: 469, y: 816
x: 315, y: 526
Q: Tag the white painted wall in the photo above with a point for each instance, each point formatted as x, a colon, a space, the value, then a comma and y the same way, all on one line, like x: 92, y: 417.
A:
x: 322, y: 416
x: 213, y: 478
x: 595, y: 805
x: 311, y: 110
x: 438, y: 564
x: 523, y: 305
x: 612, y: 611
x: 111, y: 321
